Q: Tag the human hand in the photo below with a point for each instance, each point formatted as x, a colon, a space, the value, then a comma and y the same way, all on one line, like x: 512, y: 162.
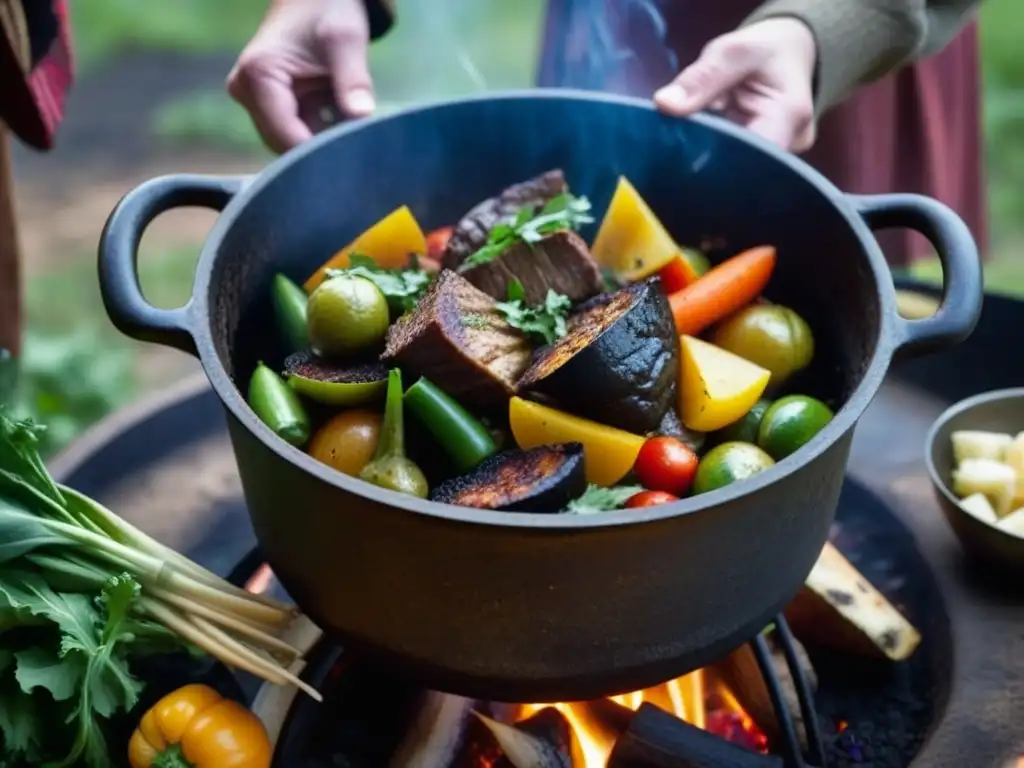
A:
x: 759, y: 76
x: 301, y: 47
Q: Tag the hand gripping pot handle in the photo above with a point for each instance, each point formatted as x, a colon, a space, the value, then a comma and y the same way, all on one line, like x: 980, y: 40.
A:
x: 119, y: 252
x: 960, y: 307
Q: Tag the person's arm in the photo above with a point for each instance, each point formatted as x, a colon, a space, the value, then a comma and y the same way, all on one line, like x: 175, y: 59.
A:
x: 859, y: 41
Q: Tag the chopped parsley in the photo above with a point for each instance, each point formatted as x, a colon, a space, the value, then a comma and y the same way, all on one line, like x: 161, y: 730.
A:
x: 529, y: 226
x: 598, y: 499
x: 544, y: 323
x: 401, y: 287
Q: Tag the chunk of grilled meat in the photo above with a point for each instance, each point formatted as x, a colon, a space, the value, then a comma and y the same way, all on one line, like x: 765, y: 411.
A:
x: 470, y: 234
x: 561, y: 262
x: 457, y: 339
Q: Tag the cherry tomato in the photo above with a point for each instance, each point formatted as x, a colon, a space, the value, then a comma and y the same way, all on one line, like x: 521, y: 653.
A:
x: 676, y: 275
x: 437, y: 241
x: 666, y: 464
x: 649, y: 499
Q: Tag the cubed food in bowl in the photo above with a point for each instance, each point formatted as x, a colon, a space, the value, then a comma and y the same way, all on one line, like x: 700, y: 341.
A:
x: 975, y: 444
x: 988, y: 477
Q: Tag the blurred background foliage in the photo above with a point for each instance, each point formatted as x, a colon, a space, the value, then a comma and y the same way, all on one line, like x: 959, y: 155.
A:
x: 159, y: 68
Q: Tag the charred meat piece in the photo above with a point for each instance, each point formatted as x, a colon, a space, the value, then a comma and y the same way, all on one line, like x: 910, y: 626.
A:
x: 543, y: 479
x: 618, y: 364
x: 457, y: 339
x: 471, y: 231
x: 561, y: 262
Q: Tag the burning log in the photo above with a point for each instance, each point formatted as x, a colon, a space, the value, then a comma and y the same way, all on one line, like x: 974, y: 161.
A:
x: 544, y: 740
x: 436, y: 732
x: 656, y: 739
x: 741, y: 675
x: 838, y: 608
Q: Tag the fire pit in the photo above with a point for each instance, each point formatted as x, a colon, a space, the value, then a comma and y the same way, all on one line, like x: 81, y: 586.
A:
x: 862, y: 711
x: 783, y: 700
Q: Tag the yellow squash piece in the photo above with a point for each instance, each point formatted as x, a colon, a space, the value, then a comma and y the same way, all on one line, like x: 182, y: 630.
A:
x: 608, y: 453
x: 388, y: 242
x: 716, y: 387
x: 631, y: 241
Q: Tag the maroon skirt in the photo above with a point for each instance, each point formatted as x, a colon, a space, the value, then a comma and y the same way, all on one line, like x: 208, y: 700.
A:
x: 917, y: 130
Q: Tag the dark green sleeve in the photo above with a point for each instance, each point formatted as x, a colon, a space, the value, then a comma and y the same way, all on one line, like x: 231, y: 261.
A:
x: 381, y: 15
x: 861, y: 40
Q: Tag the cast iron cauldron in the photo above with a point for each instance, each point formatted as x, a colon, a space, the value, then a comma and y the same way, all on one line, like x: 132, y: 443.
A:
x: 526, y: 606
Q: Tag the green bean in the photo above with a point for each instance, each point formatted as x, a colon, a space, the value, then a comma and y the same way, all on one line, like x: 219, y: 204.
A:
x: 290, y: 310
x: 278, y: 406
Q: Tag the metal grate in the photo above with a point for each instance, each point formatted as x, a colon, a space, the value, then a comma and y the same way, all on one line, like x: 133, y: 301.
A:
x: 789, y: 749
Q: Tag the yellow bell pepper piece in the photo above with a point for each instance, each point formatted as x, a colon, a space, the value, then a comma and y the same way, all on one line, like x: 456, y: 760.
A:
x: 194, y: 727
x: 631, y: 241
x: 716, y: 387
x: 388, y: 242
x: 608, y: 453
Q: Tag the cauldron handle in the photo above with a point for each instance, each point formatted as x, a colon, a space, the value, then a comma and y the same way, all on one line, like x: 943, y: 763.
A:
x: 119, y: 253
x: 962, y: 291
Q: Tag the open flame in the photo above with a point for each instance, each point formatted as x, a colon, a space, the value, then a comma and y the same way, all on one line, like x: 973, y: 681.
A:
x: 700, y: 701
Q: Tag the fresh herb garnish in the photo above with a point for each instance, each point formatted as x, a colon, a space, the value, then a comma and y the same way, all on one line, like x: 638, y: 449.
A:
x: 82, y: 593
x: 599, y: 499
x: 561, y: 212
x: 401, y: 287
x: 545, y: 322
x: 475, y: 321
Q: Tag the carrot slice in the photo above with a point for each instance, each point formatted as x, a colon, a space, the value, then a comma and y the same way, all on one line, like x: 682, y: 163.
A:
x: 728, y: 287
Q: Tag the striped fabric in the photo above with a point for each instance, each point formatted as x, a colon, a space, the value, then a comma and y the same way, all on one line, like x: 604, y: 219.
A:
x: 36, y: 68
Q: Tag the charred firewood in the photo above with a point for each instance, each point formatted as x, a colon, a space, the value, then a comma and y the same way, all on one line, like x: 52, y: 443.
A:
x: 543, y: 740
x: 656, y: 739
x: 740, y: 673
x: 839, y: 608
x: 606, y: 716
x: 436, y: 732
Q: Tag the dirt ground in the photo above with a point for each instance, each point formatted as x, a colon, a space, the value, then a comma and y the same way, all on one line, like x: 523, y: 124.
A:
x: 106, y: 146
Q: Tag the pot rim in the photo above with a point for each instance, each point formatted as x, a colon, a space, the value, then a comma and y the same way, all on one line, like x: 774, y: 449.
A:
x: 844, y: 420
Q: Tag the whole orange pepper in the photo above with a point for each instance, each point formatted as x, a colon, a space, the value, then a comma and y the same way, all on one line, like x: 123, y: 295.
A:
x: 195, y: 727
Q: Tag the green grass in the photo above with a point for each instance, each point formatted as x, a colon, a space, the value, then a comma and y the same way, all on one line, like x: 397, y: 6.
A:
x: 104, y: 28
x: 208, y: 119
x: 76, y: 368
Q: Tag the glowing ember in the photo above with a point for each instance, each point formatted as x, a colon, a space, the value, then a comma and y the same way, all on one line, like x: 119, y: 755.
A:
x: 712, y: 708
x: 259, y: 582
